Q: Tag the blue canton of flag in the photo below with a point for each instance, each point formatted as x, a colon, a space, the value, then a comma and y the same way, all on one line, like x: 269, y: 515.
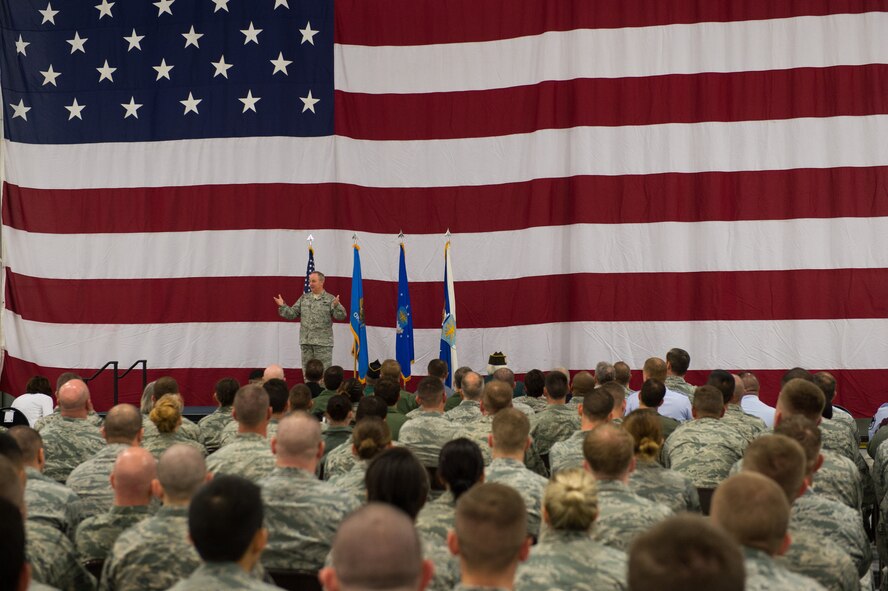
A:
x: 404, y: 322
x: 166, y: 70
x: 358, y: 328
x: 448, y: 322
x: 309, y: 269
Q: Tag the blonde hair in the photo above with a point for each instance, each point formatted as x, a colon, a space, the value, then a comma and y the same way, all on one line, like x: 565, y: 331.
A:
x: 167, y: 413
x: 571, y: 500
x: 644, y: 427
x: 370, y: 437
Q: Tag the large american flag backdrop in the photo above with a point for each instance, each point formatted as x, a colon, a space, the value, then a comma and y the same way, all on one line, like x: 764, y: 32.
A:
x: 619, y: 178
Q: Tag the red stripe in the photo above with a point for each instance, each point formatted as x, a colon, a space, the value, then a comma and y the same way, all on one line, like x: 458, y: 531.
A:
x: 420, y: 22
x: 859, y: 391
x: 674, y: 197
x: 744, y: 96
x: 626, y: 297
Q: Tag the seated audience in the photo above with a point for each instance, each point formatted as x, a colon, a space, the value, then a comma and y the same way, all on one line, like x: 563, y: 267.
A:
x: 460, y: 467
x: 427, y: 433
x: 167, y: 418
x: 558, y: 421
x: 370, y: 438
x: 36, y: 402
x: 596, y: 408
x: 211, y: 426
x: 249, y: 455
x: 73, y: 439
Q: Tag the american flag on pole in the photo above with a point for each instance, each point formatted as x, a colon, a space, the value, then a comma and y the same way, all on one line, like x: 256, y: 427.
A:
x: 620, y: 178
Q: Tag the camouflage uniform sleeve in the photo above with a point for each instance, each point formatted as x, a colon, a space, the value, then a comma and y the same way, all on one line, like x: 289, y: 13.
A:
x: 291, y: 312
x: 338, y: 312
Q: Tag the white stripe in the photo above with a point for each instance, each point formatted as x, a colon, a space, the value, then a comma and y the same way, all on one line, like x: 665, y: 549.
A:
x: 776, y: 44
x: 534, y: 252
x: 769, y: 344
x: 552, y: 153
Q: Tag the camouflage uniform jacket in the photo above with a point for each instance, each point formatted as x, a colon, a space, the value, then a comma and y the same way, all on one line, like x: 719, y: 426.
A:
x: 163, y: 441
x: 212, y: 576
x: 53, y: 559
x: 567, y: 453
x: 188, y: 428
x: 529, y: 485
x: 477, y: 431
x: 229, y: 432
x: 662, y: 485
x: 821, y: 560
x: 353, y: 481
x: 336, y: 436
x: 151, y: 555
x: 91, y: 481
x: 572, y: 560
x: 93, y: 417
x: 426, y: 435
x: 67, y: 443
x: 452, y: 402
x: 839, y: 479
x: 249, y: 457
x: 747, y: 425
x: 704, y: 450
x: 339, y: 461
x: 211, y: 427
x: 466, y: 412
x: 436, y: 517
x: 840, y: 416
x: 838, y: 438
x: 678, y: 384
x: 831, y: 520
x: 554, y: 424
x: 302, y: 514
x: 764, y: 574
x: 96, y: 536
x: 316, y: 313
x: 536, y: 403
x: 50, y: 502
x: 461, y: 587
x: 623, y: 515
x: 446, y: 564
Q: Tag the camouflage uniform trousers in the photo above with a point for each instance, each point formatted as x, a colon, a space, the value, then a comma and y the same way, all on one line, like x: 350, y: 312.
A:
x: 572, y: 560
x: 249, y: 457
x: 302, y: 514
x: 152, y: 555
x: 435, y: 519
x: 556, y: 423
x: 96, y: 536
x: 623, y: 515
x: 211, y: 427
x: 67, y: 443
x: 50, y: 502
x: 822, y: 560
x: 747, y: 425
x: 54, y: 560
x: 662, y: 485
x: 764, y: 574
x: 528, y: 484
x: 831, y: 520
x: 466, y: 412
x: 704, y: 450
x: 163, y: 441
x: 91, y: 481
x: 567, y: 453
x: 425, y: 435
x: 316, y: 314
x: 221, y: 575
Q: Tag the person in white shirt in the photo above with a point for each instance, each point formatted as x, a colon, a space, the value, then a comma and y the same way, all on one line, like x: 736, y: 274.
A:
x: 751, y: 404
x: 36, y: 402
x: 675, y: 405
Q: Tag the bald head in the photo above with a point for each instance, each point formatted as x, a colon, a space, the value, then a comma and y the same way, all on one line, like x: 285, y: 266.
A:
x: 654, y: 368
x: 74, y: 399
x: 739, y: 389
x: 123, y: 424
x: 496, y: 396
x: 131, y: 478
x: 273, y: 372
x: 472, y: 384
x: 181, y: 471
x: 392, y: 561
x: 298, y: 441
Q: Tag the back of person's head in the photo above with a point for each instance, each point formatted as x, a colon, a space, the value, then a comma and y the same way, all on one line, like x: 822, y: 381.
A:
x: 122, y: 424
x: 750, y: 382
x: 556, y: 385
x: 10, y: 449
x: 12, y: 484
x: 826, y: 382
x: 779, y: 458
x: 430, y: 392
x: 571, y: 500
x: 352, y: 389
x: 39, y: 385
x: 616, y: 392
x: 510, y: 429
x: 472, y: 386
x: 273, y: 372
x: 167, y: 413
x: 753, y: 509
x: 390, y: 369
x: 223, y: 518
x: 134, y: 469
x: 583, y: 383
x: 251, y: 405
x: 622, y: 373
x: 796, y: 373
x: 73, y: 397
x: 652, y: 393
x: 298, y: 437
x: 13, y: 570
x: 506, y: 375
x: 722, y: 381
x: 370, y: 437
x: 679, y: 361
x: 397, y: 478
x: 807, y: 434
x: 437, y: 368
x: 708, y: 402
x: 338, y: 408
x: 458, y: 376
x: 534, y: 381
x: 255, y: 376
x: 646, y: 432
x: 608, y: 450
x: 29, y: 441
x: 333, y: 377
x: 392, y: 562
x: 299, y: 398
x: 277, y: 394
x: 388, y: 389
x: 165, y: 385
x: 146, y: 403
x: 496, y: 396
x: 605, y: 372
x: 371, y: 406
x: 801, y: 397
x: 654, y: 368
x: 490, y: 528
x: 597, y: 405
x: 181, y: 470
x: 460, y: 465
x: 314, y: 370
x: 225, y: 390
x: 685, y: 553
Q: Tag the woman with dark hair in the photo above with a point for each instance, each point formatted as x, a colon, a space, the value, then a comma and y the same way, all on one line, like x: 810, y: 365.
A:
x: 36, y: 402
x: 460, y: 467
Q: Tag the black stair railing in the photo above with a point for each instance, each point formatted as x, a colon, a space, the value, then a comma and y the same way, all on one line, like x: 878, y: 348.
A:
x: 116, y: 376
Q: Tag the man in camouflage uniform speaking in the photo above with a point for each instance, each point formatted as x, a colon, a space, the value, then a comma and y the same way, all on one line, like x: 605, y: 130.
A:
x: 317, y: 309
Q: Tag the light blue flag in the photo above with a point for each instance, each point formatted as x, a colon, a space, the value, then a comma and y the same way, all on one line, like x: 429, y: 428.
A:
x: 448, y: 322
x: 404, y: 339
x: 358, y: 328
